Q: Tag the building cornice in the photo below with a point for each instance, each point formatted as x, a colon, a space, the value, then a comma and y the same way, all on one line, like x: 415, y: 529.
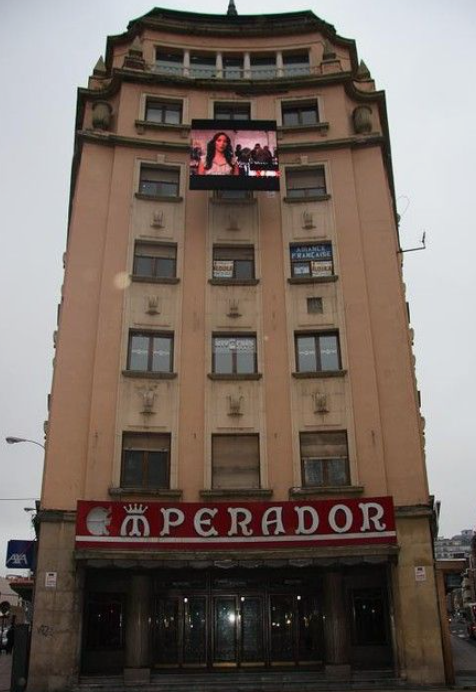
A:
x: 224, y: 26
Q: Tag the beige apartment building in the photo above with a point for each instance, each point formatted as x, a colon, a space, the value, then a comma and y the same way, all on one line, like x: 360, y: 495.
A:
x: 235, y: 479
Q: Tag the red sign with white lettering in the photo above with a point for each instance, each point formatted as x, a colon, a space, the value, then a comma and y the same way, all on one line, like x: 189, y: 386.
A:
x: 234, y: 525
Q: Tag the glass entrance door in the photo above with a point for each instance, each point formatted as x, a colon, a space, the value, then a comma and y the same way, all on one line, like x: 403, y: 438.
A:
x: 238, y: 631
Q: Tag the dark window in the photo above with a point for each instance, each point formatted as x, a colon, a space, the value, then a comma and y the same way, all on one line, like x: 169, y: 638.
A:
x: 314, y: 305
x: 306, y: 182
x: 203, y: 66
x: 317, y: 352
x: 263, y: 66
x: 104, y: 621
x: 159, y: 182
x: 233, y: 263
x: 300, y: 113
x: 150, y: 352
x: 145, y: 460
x: 232, y: 67
x: 155, y: 261
x: 235, y: 461
x: 311, y: 260
x: 165, y: 112
x: 296, y: 64
x: 369, y: 610
x: 234, y: 355
x: 169, y: 61
x: 232, y: 111
x: 324, y: 459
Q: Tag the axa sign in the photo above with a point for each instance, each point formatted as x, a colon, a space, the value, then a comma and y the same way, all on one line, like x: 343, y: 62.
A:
x: 20, y: 554
x: 260, y: 525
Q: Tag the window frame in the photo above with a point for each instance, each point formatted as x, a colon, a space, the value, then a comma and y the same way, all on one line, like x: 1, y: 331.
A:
x: 205, y: 72
x: 324, y: 460
x: 147, y: 166
x: 310, y: 275
x: 162, y: 104
x: 307, y: 192
x: 155, y: 275
x: 145, y: 460
x: 237, y: 436
x: 234, y: 354
x: 298, y: 107
x: 269, y: 71
x: 151, y: 335
x: 229, y: 249
x: 231, y: 108
x: 317, y: 335
x: 240, y: 71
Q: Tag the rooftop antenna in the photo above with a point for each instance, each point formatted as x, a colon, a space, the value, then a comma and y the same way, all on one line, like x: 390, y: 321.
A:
x: 415, y: 249
x: 232, y: 8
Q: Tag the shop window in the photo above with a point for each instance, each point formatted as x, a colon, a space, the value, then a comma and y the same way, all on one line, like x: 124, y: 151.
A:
x: 235, y: 461
x: 234, y: 355
x: 154, y: 261
x: 306, y: 182
x: 369, y: 622
x: 159, y: 182
x: 165, y: 112
x: 232, y: 111
x: 263, y: 66
x: 169, y: 61
x: 232, y: 67
x: 300, y: 113
x: 324, y: 459
x: 311, y: 260
x: 233, y: 263
x: 317, y: 352
x: 104, y: 621
x: 150, y: 352
x: 145, y: 461
x: 296, y: 64
x: 203, y: 66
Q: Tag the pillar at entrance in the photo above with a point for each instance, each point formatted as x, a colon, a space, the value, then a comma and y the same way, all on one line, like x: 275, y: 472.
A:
x: 336, y: 627
x: 138, y: 631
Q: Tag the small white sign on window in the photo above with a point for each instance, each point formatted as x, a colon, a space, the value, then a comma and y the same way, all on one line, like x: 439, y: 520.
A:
x: 50, y: 580
x: 420, y: 573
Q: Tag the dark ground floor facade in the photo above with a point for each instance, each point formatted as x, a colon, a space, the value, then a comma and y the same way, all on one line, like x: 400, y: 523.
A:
x: 243, y: 618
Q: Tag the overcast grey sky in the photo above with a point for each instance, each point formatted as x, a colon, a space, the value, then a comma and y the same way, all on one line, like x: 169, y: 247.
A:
x: 421, y: 53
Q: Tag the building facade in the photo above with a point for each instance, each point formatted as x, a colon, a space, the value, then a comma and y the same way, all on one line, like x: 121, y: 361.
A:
x: 235, y: 475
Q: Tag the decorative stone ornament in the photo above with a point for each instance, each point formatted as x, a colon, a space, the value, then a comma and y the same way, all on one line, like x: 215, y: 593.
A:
x: 363, y: 71
x: 320, y: 402
x: 329, y: 52
x: 234, y: 405
x: 100, y: 68
x: 135, y: 57
x: 102, y: 112
x: 148, y: 396
x: 362, y: 120
x: 308, y: 220
x: 152, y: 305
x: 158, y: 219
x: 234, y: 308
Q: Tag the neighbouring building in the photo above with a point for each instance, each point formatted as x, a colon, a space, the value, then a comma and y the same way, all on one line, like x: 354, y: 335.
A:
x: 457, y: 547
x: 235, y: 476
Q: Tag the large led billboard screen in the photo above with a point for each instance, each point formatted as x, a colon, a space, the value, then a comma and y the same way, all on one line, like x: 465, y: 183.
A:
x: 234, y: 155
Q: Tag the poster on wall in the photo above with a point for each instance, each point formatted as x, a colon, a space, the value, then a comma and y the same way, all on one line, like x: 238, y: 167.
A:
x: 234, y: 155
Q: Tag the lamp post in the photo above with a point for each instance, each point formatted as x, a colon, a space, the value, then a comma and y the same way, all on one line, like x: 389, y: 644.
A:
x: 16, y: 440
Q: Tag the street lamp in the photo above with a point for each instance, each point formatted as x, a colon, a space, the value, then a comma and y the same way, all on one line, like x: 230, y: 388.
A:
x: 15, y: 440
